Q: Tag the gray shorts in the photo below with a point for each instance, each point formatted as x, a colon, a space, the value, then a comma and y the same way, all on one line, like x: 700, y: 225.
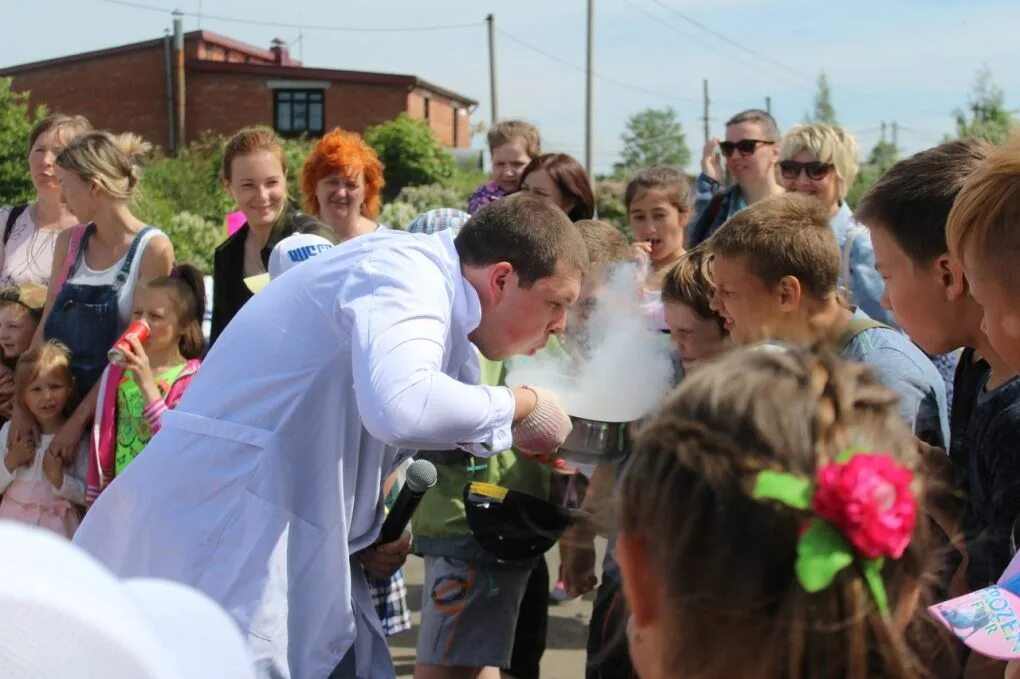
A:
x: 469, y: 612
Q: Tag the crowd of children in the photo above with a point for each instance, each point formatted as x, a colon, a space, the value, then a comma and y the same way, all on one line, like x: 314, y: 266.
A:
x: 811, y: 484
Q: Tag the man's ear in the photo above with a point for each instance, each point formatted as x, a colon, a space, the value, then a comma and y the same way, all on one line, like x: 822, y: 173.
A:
x: 789, y: 293
x: 499, y: 278
x: 952, y: 277
x: 639, y: 585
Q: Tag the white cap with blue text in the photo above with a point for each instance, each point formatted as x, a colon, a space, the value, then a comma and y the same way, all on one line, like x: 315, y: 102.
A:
x: 287, y: 254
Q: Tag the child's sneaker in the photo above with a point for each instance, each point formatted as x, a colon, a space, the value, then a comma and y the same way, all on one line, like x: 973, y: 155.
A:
x: 559, y: 594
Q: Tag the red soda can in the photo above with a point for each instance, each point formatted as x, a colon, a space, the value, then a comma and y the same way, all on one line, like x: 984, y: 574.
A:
x: 138, y: 330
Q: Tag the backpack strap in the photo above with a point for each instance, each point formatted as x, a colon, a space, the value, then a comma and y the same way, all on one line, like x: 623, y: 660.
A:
x: 12, y: 217
x: 854, y: 328
x: 73, y: 248
x: 844, y: 257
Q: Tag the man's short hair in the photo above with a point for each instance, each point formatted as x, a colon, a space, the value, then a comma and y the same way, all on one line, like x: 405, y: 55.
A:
x: 985, y: 219
x: 912, y: 200
x: 506, y: 131
x: 763, y: 118
x: 785, y: 235
x: 689, y: 282
x: 605, y: 244
x: 531, y: 234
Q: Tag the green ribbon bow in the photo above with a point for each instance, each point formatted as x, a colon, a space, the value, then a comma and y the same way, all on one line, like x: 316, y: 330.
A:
x: 822, y: 551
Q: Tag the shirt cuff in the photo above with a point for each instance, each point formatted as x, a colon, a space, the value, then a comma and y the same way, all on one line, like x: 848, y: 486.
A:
x: 501, y: 421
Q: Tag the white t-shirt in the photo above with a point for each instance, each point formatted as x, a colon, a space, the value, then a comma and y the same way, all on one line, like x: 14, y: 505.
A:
x: 28, y: 255
x: 83, y: 274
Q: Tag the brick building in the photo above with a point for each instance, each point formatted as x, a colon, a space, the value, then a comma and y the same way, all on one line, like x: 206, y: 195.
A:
x: 228, y: 85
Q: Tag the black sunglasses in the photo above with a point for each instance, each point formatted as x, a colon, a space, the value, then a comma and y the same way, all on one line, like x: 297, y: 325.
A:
x: 791, y: 169
x: 745, y: 146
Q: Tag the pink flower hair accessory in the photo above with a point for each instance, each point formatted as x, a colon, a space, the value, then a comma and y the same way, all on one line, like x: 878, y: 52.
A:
x: 864, y: 511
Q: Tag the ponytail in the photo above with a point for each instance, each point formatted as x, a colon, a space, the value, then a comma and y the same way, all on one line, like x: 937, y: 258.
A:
x: 187, y: 287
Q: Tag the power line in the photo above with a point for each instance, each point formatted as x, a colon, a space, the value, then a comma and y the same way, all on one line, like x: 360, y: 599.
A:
x: 733, y: 43
x: 703, y: 43
x: 604, y: 78
x: 306, y: 27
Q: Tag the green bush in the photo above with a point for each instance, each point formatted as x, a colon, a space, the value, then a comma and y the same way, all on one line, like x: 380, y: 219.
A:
x: 410, y: 154
x: 609, y: 205
x: 413, y: 200
x: 16, y: 121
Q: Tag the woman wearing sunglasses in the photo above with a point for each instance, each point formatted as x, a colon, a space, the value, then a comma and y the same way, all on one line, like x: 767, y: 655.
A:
x: 751, y: 151
x: 821, y: 161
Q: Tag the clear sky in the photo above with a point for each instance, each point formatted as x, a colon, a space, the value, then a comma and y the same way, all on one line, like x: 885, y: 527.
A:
x: 911, y: 61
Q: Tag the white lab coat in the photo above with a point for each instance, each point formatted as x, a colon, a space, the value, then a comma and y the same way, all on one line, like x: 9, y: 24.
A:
x: 267, y: 478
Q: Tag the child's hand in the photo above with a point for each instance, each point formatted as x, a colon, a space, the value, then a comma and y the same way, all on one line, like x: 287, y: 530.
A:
x: 577, y: 570
x: 711, y: 163
x: 65, y: 444
x: 53, y: 468
x: 137, y: 361
x: 6, y: 382
x: 641, y: 253
x: 20, y: 451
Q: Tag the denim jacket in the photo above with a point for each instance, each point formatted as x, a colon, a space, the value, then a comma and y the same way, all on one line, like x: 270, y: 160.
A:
x: 857, y: 256
x: 705, y: 222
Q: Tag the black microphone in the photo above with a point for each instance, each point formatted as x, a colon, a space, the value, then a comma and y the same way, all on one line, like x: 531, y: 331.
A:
x: 421, y: 475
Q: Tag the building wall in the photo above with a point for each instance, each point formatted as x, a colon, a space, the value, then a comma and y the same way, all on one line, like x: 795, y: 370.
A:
x: 223, y: 103
x: 442, y: 116
x: 119, y: 92
x: 128, y: 92
x: 358, y: 106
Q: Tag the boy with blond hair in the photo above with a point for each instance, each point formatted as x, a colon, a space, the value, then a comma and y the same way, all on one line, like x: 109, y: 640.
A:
x: 775, y: 271
x: 512, y: 145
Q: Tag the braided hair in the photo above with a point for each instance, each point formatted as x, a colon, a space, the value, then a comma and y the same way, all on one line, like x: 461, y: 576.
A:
x: 725, y: 560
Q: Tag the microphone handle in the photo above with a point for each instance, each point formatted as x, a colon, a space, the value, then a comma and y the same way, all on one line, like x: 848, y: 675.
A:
x: 400, y: 515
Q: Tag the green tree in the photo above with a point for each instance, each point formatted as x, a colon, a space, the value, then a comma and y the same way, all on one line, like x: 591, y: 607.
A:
x: 986, y: 116
x: 883, y: 156
x: 824, y: 111
x: 16, y: 120
x: 410, y: 153
x: 653, y: 137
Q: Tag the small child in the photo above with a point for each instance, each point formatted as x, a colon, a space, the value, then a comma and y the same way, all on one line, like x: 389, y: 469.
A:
x: 133, y: 398
x: 698, y: 333
x: 771, y: 525
x: 658, y: 210
x: 36, y: 488
x: 20, y: 310
x: 512, y: 145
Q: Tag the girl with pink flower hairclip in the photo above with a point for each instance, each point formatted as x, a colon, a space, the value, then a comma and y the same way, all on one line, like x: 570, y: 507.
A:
x: 771, y: 526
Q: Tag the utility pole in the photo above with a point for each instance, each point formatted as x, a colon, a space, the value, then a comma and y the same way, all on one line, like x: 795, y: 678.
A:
x: 179, y: 73
x: 589, y: 90
x: 768, y: 105
x: 704, y: 88
x: 883, y: 131
x: 491, y: 20
x: 895, y: 135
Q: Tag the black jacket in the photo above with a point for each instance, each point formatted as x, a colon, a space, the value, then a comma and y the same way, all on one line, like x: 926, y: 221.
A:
x: 229, y: 291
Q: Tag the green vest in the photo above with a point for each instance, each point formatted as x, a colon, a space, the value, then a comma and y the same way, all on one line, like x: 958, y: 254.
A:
x: 440, y: 516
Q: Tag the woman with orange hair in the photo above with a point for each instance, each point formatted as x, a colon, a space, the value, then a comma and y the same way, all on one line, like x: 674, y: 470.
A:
x: 341, y: 181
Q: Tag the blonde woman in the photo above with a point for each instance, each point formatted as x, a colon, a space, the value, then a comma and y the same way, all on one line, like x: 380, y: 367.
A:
x: 97, y: 265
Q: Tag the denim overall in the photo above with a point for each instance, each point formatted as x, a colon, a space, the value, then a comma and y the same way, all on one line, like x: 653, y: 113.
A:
x: 87, y: 317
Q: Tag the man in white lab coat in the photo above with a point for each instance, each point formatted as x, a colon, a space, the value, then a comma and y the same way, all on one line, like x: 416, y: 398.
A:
x: 266, y: 480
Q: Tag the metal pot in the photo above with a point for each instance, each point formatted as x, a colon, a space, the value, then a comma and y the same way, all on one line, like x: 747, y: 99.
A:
x: 594, y: 441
